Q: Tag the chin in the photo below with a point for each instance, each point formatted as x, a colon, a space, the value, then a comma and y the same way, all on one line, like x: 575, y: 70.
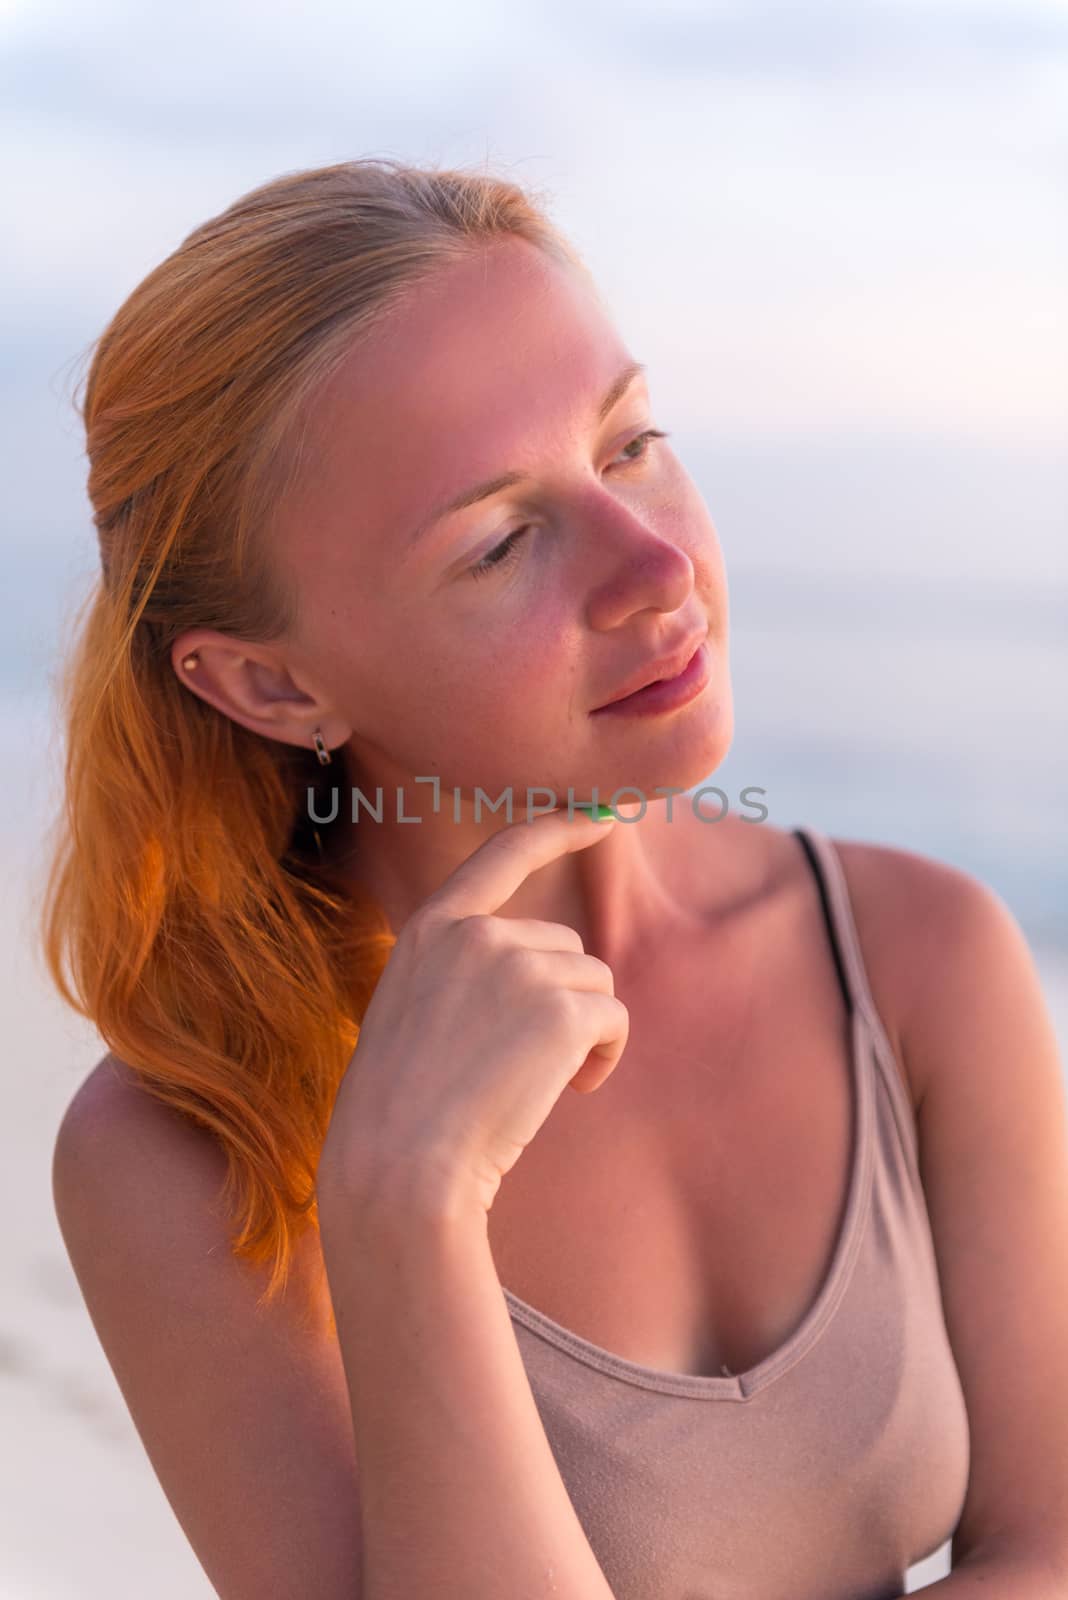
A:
x: 679, y: 757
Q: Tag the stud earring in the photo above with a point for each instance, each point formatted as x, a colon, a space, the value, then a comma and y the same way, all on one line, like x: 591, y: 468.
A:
x: 321, y: 751
x: 189, y: 663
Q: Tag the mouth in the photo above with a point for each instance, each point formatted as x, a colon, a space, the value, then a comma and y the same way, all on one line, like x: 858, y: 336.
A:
x: 666, y: 669
x: 665, y: 693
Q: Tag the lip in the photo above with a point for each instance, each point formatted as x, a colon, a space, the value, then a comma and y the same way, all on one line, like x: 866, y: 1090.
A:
x: 665, y: 667
x: 690, y: 673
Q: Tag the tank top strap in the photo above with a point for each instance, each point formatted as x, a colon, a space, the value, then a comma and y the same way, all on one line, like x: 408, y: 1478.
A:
x: 852, y: 972
x: 841, y: 925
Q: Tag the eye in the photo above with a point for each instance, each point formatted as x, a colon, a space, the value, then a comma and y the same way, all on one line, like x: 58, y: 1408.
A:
x: 646, y: 441
x: 503, y: 554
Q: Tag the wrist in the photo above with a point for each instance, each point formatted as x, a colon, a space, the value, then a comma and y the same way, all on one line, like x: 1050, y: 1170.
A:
x: 399, y: 1191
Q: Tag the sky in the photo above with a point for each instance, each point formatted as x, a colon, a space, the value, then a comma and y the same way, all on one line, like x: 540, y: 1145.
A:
x: 836, y: 232
x: 828, y: 227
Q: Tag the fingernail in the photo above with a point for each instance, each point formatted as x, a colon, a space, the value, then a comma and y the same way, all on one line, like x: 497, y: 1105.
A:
x: 597, y: 813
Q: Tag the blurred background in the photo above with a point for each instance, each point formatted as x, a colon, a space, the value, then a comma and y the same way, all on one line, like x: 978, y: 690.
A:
x: 836, y: 232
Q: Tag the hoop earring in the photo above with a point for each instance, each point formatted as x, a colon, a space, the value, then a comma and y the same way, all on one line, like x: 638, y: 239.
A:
x: 321, y: 751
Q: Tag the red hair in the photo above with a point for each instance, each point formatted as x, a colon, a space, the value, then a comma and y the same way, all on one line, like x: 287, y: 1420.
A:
x: 185, y: 912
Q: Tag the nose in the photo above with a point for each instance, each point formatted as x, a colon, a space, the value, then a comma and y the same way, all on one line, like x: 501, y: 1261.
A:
x: 636, y: 568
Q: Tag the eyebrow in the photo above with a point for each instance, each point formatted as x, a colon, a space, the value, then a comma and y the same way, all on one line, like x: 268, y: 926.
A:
x: 507, y: 480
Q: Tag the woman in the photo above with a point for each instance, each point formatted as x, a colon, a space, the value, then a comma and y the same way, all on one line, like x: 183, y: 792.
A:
x: 769, y: 1307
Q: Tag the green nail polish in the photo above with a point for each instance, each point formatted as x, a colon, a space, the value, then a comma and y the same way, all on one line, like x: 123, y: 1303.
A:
x: 600, y: 811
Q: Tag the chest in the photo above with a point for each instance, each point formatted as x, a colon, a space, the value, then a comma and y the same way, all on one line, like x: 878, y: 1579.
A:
x: 685, y: 1215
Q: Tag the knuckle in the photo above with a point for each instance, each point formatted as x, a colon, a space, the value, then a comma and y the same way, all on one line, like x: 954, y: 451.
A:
x: 567, y: 1004
x: 418, y: 926
x: 522, y: 964
x: 481, y: 930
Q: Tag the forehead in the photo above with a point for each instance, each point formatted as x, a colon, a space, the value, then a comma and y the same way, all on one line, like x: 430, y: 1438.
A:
x: 507, y: 314
x: 493, y: 360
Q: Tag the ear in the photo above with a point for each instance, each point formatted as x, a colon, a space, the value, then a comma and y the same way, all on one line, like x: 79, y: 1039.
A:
x: 253, y: 685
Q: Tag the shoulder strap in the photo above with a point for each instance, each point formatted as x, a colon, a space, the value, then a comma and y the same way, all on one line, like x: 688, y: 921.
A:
x: 838, y: 912
x: 853, y: 976
x: 818, y: 850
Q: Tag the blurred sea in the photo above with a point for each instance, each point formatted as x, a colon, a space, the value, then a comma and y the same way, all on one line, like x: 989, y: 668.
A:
x: 929, y: 716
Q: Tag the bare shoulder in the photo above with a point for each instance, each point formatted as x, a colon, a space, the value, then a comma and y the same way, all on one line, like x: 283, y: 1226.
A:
x: 241, y: 1404
x: 919, y: 920
x: 118, y: 1146
x: 108, y: 1128
x: 928, y: 931
x: 113, y: 1096
x: 129, y: 1172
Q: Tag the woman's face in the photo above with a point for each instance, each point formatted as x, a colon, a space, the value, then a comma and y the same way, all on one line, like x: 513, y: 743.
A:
x: 474, y: 645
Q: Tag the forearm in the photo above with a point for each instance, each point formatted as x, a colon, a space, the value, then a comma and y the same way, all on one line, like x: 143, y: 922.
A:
x: 460, y: 1494
x: 999, y: 1575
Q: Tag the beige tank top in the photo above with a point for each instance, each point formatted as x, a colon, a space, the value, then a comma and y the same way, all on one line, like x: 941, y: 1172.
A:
x: 838, y: 1461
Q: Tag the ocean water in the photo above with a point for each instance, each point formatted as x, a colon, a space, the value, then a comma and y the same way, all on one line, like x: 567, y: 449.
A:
x: 933, y: 718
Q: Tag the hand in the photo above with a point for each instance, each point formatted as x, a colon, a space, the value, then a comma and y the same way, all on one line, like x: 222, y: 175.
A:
x: 476, y: 1025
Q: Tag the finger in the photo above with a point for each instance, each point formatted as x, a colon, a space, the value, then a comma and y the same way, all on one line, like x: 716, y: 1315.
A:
x: 604, y: 1056
x: 609, y: 1022
x: 567, y: 969
x: 492, y: 873
x: 535, y: 934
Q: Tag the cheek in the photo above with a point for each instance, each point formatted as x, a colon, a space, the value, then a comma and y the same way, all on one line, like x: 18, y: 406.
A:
x: 685, y: 516
x: 687, y: 521
x: 482, y: 689
x: 496, y: 725
x: 498, y: 652
x: 508, y: 696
